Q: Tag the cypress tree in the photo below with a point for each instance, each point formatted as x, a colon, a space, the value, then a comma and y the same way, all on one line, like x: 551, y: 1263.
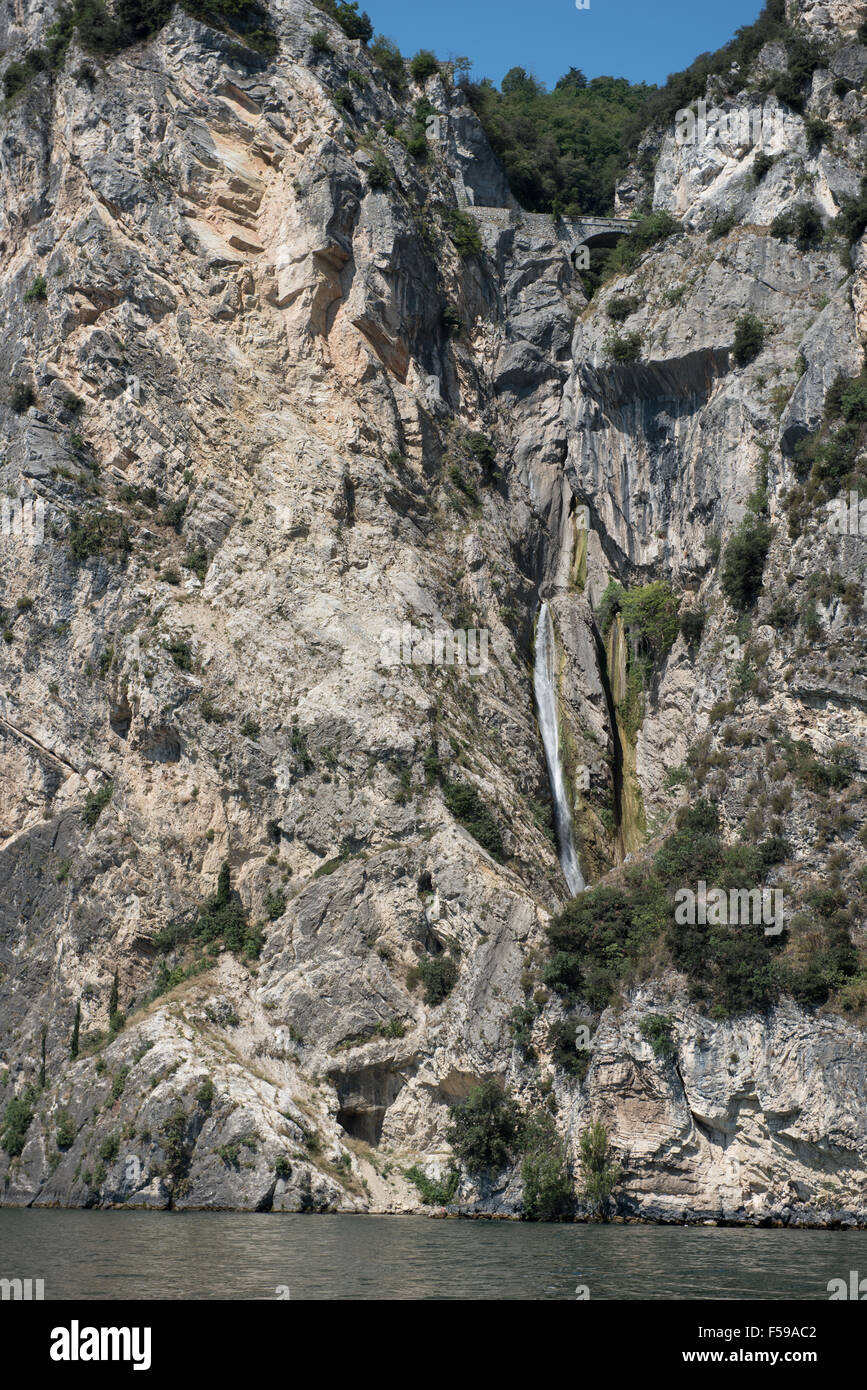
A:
x: 73, y: 1050
x: 223, y: 886
x: 42, y: 1061
x: 116, y: 1019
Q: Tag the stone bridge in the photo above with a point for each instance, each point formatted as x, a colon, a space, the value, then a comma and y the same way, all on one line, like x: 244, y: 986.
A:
x: 598, y: 231
x: 580, y: 231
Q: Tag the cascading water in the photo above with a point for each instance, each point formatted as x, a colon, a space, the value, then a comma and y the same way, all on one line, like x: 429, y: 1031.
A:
x: 545, y: 689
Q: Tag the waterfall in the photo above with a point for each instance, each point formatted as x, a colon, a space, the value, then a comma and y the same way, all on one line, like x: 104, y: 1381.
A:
x: 545, y: 690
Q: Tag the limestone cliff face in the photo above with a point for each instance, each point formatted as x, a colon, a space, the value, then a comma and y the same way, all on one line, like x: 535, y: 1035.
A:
x: 252, y: 424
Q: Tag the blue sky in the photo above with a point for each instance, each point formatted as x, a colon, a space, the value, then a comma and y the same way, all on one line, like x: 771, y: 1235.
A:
x: 617, y: 38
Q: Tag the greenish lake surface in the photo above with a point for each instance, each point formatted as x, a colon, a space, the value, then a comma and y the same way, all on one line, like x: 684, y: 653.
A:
x: 220, y: 1255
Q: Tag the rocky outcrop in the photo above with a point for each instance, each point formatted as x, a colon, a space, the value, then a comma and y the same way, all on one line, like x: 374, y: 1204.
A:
x: 258, y: 374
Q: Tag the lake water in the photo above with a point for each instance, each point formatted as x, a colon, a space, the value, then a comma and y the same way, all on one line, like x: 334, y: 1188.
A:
x: 219, y: 1255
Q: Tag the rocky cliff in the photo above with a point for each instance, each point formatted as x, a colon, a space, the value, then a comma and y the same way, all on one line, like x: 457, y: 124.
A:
x: 282, y: 393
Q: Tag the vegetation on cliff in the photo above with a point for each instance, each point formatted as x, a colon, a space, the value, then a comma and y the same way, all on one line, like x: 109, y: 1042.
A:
x: 561, y: 150
x: 614, y: 935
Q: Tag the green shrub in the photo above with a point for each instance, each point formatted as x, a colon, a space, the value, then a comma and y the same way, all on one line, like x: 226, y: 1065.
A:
x: 173, y: 1135
x: 485, y: 1128
x: 545, y: 1171
x: 331, y: 865
x: 646, y: 233
x: 17, y: 1119
x: 624, y: 347
x: 692, y: 622
x: 173, y: 513
x: 565, y: 1052
x: 733, y: 967
x: 483, y: 450
x: 609, y: 605
x: 743, y: 563
x: 379, y: 175
x: 762, y: 164
x: 133, y: 21
x: 223, y: 918
x: 395, y: 1028
x: 435, y: 1192
x: 851, y: 221
x: 353, y: 24
x: 819, y: 132
x: 275, y: 906
x: 613, y: 934
x: 246, y: 17
x: 416, y: 141
x: 621, y: 306
x: 749, y: 339
x: 96, y: 802
x: 22, y: 397
x: 205, y: 1094
x: 599, y: 1174
x: 693, y: 850
x: 721, y: 226
x: 37, y: 291
x: 283, y: 1167
x: 650, y: 621
x: 782, y: 613
x: 109, y: 1148
x: 438, y: 975
x: 451, y: 320
x: 196, y: 559
x: 803, y: 59
x: 423, y: 66
x: 180, y: 652
x: 386, y: 54
x: 521, y: 1021
x: 16, y: 78
x: 487, y: 1133
x: 469, y: 810
x: 464, y: 232
x: 822, y: 957
x: 66, y: 1131
x: 650, y: 616
x: 319, y: 42
x: 801, y: 224
x: 597, y: 939
x: 99, y: 532
x: 656, y: 1028
x: 118, y: 1084
x: 853, y: 400
x: 210, y: 713
x: 466, y: 485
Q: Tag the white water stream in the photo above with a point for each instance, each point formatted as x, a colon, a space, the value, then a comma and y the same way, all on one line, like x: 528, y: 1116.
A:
x: 545, y: 689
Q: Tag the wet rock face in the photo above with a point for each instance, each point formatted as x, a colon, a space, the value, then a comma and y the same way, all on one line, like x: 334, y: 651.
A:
x: 275, y: 415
